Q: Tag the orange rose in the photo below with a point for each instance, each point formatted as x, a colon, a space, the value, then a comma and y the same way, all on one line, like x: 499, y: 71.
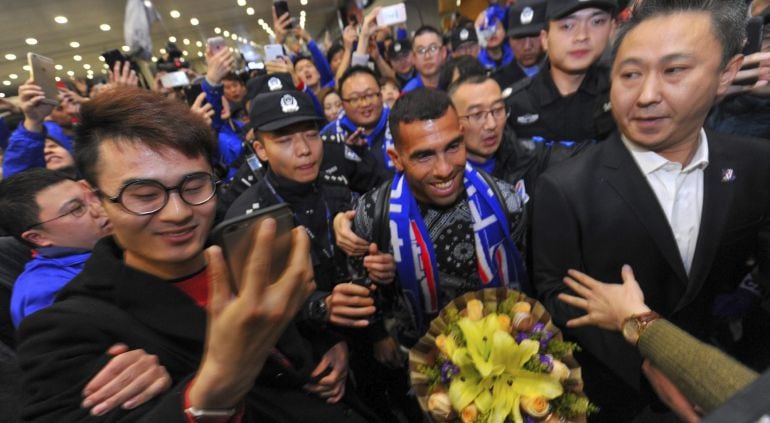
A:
x: 536, y: 407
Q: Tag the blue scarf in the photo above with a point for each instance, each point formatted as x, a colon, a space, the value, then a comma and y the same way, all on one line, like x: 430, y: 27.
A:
x: 490, y: 63
x: 346, y: 127
x: 499, y: 262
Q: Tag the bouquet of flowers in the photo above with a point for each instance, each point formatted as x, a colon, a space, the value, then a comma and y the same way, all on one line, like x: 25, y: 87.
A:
x: 495, y: 356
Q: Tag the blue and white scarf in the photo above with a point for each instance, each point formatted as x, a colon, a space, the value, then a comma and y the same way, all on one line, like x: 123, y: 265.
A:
x: 498, y: 259
x: 345, y: 127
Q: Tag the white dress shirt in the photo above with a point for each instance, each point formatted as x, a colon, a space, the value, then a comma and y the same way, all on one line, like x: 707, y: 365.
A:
x: 679, y: 191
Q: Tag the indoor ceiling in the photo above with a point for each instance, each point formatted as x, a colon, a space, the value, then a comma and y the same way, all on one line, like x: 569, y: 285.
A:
x: 76, y: 46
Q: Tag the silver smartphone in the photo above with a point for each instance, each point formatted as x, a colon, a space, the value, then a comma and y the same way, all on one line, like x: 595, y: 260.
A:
x: 43, y: 74
x: 236, y: 236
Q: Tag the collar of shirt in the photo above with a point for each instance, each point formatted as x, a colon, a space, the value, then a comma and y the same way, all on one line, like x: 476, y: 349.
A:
x: 650, y: 161
x: 547, y: 92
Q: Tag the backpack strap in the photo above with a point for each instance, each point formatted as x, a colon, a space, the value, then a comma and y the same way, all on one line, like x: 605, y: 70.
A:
x: 381, y: 222
x: 496, y: 190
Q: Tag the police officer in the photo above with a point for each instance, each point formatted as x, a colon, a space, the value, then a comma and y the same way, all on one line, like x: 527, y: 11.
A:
x: 289, y: 142
x: 464, y: 41
x: 400, y: 58
x: 356, y: 165
x: 569, y: 99
x: 525, y: 21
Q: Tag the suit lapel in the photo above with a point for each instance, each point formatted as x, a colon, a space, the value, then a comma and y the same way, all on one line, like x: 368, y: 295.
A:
x: 717, y: 198
x: 625, y: 177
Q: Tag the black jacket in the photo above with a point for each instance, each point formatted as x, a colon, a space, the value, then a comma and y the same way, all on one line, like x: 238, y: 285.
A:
x: 63, y: 346
x: 597, y: 212
x: 537, y: 109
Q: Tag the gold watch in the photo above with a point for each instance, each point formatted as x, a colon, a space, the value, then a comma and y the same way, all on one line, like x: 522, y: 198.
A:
x: 634, y: 326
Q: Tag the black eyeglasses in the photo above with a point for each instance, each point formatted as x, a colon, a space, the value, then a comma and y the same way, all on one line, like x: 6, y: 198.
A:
x: 147, y: 196
x: 364, y: 98
x: 78, y: 209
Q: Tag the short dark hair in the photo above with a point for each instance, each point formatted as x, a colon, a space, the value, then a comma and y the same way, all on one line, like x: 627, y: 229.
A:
x: 465, y: 65
x: 301, y: 58
x: 426, y: 29
x: 137, y: 116
x: 232, y: 76
x: 470, y: 79
x: 728, y: 21
x: 18, y: 204
x: 420, y: 104
x: 333, y: 50
x: 354, y: 71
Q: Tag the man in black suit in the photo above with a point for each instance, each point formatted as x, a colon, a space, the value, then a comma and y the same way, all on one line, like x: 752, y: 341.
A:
x: 685, y: 208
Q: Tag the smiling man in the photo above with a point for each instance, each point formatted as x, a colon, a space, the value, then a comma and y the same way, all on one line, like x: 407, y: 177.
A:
x: 429, y: 216
x: 568, y: 99
x: 686, y: 208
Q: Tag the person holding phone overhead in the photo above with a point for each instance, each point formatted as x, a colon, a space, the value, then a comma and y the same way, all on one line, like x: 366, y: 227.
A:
x: 152, y: 286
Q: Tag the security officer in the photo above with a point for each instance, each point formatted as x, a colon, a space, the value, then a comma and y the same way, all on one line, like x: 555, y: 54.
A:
x: 526, y: 19
x: 464, y: 41
x: 569, y: 99
x: 289, y: 142
x: 356, y: 165
x: 400, y: 58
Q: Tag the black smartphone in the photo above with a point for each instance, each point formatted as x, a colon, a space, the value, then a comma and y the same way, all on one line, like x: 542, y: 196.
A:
x: 192, y: 92
x: 282, y: 8
x: 113, y: 56
x: 236, y: 235
x: 753, y: 45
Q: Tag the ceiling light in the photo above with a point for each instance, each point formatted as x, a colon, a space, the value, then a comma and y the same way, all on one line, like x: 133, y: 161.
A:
x: 77, y: 58
x: 13, y: 76
x: 226, y: 33
x: 186, y: 42
x: 162, y: 51
x: 2, y: 95
x: 154, y: 59
x: 30, y: 41
x: 175, y: 14
x: 101, y: 58
x: 250, y: 11
x: 241, y: 3
x: 303, y: 2
x: 10, y: 56
x: 59, y: 67
x: 104, y: 71
x: 194, y: 21
x: 86, y: 66
x: 200, y: 54
x: 56, y: 78
x: 234, y: 37
x: 26, y: 68
x: 90, y: 76
x: 172, y: 39
x: 217, y: 30
x: 125, y: 48
x: 105, y: 27
x: 198, y: 44
x: 74, y: 44
x: 105, y: 66
x: 61, y: 19
x: 70, y: 73
x: 7, y: 83
x: 185, y: 53
x: 147, y: 3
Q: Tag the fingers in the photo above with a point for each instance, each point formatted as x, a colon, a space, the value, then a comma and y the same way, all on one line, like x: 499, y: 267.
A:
x: 117, y: 349
x: 219, y: 275
x: 373, y: 249
x: 574, y: 301
x: 199, y: 100
x: 579, y: 321
x: 578, y: 288
x: 584, y: 279
x: 156, y: 388
x: 627, y: 273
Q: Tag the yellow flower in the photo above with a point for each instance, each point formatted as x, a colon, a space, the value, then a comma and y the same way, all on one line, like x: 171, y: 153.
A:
x: 440, y: 406
x: 535, y: 406
x: 469, y: 414
x: 475, y: 309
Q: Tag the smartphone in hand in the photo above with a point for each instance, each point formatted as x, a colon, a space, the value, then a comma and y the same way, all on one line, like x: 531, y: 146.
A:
x: 236, y: 236
x: 43, y: 74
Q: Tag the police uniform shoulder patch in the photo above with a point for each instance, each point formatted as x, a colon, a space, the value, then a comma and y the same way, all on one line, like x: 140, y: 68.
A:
x: 351, y: 155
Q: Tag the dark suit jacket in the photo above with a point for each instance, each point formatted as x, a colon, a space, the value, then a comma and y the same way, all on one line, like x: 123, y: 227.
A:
x: 597, y: 212
x: 63, y: 346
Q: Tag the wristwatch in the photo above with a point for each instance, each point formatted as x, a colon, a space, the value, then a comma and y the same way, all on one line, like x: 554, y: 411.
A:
x: 634, y: 326
x: 210, y: 415
x: 318, y: 310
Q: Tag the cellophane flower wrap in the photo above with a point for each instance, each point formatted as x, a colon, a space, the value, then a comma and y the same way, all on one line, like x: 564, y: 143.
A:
x: 495, y: 356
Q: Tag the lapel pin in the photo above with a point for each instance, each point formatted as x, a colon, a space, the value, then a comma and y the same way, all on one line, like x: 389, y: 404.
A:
x: 728, y: 175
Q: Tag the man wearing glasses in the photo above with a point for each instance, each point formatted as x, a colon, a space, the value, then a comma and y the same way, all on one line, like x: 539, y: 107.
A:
x: 61, y: 220
x: 364, y: 125
x: 494, y: 148
x: 152, y: 286
x: 428, y: 55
